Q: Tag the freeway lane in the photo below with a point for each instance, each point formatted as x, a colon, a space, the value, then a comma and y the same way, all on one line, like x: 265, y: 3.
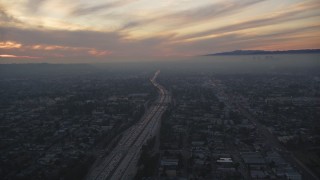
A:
x: 120, y: 163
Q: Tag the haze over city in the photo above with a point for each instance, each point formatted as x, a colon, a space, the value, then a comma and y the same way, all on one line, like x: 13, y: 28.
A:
x: 102, y: 31
x: 159, y: 90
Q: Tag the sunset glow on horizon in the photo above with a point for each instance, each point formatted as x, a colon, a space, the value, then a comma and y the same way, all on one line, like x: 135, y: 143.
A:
x: 135, y: 28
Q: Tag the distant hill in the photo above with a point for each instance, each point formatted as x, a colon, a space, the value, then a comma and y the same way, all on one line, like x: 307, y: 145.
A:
x: 261, y: 52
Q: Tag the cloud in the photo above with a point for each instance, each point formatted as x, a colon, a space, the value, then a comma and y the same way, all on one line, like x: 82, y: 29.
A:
x: 78, y: 43
x: 158, y: 31
x: 6, y: 17
x: 61, y: 37
x: 9, y: 45
x: 133, y: 24
x: 208, y: 12
x: 15, y: 56
x: 34, y: 5
x: 85, y: 10
x: 292, y: 14
x: 203, y: 13
x: 95, y: 52
x: 285, y: 39
x: 53, y: 50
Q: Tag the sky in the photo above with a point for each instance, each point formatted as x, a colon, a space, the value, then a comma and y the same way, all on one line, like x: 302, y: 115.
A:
x: 113, y: 29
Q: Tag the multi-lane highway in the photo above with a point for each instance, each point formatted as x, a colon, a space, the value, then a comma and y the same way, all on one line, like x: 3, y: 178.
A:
x: 121, y: 162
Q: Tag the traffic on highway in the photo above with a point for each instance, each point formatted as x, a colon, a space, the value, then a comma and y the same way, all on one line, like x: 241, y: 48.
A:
x: 120, y: 163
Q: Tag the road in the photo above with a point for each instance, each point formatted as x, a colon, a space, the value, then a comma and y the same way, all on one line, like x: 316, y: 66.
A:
x: 122, y: 160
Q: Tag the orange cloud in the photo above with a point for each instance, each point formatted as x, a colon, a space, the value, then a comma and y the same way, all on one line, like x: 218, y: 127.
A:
x: 52, y: 47
x: 50, y: 50
x: 95, y: 52
x: 90, y: 51
x: 9, y: 45
x: 14, y: 56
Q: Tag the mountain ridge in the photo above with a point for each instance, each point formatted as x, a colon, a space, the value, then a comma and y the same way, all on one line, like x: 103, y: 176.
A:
x: 264, y: 52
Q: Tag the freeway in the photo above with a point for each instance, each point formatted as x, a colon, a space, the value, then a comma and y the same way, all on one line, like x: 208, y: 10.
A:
x: 122, y: 160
